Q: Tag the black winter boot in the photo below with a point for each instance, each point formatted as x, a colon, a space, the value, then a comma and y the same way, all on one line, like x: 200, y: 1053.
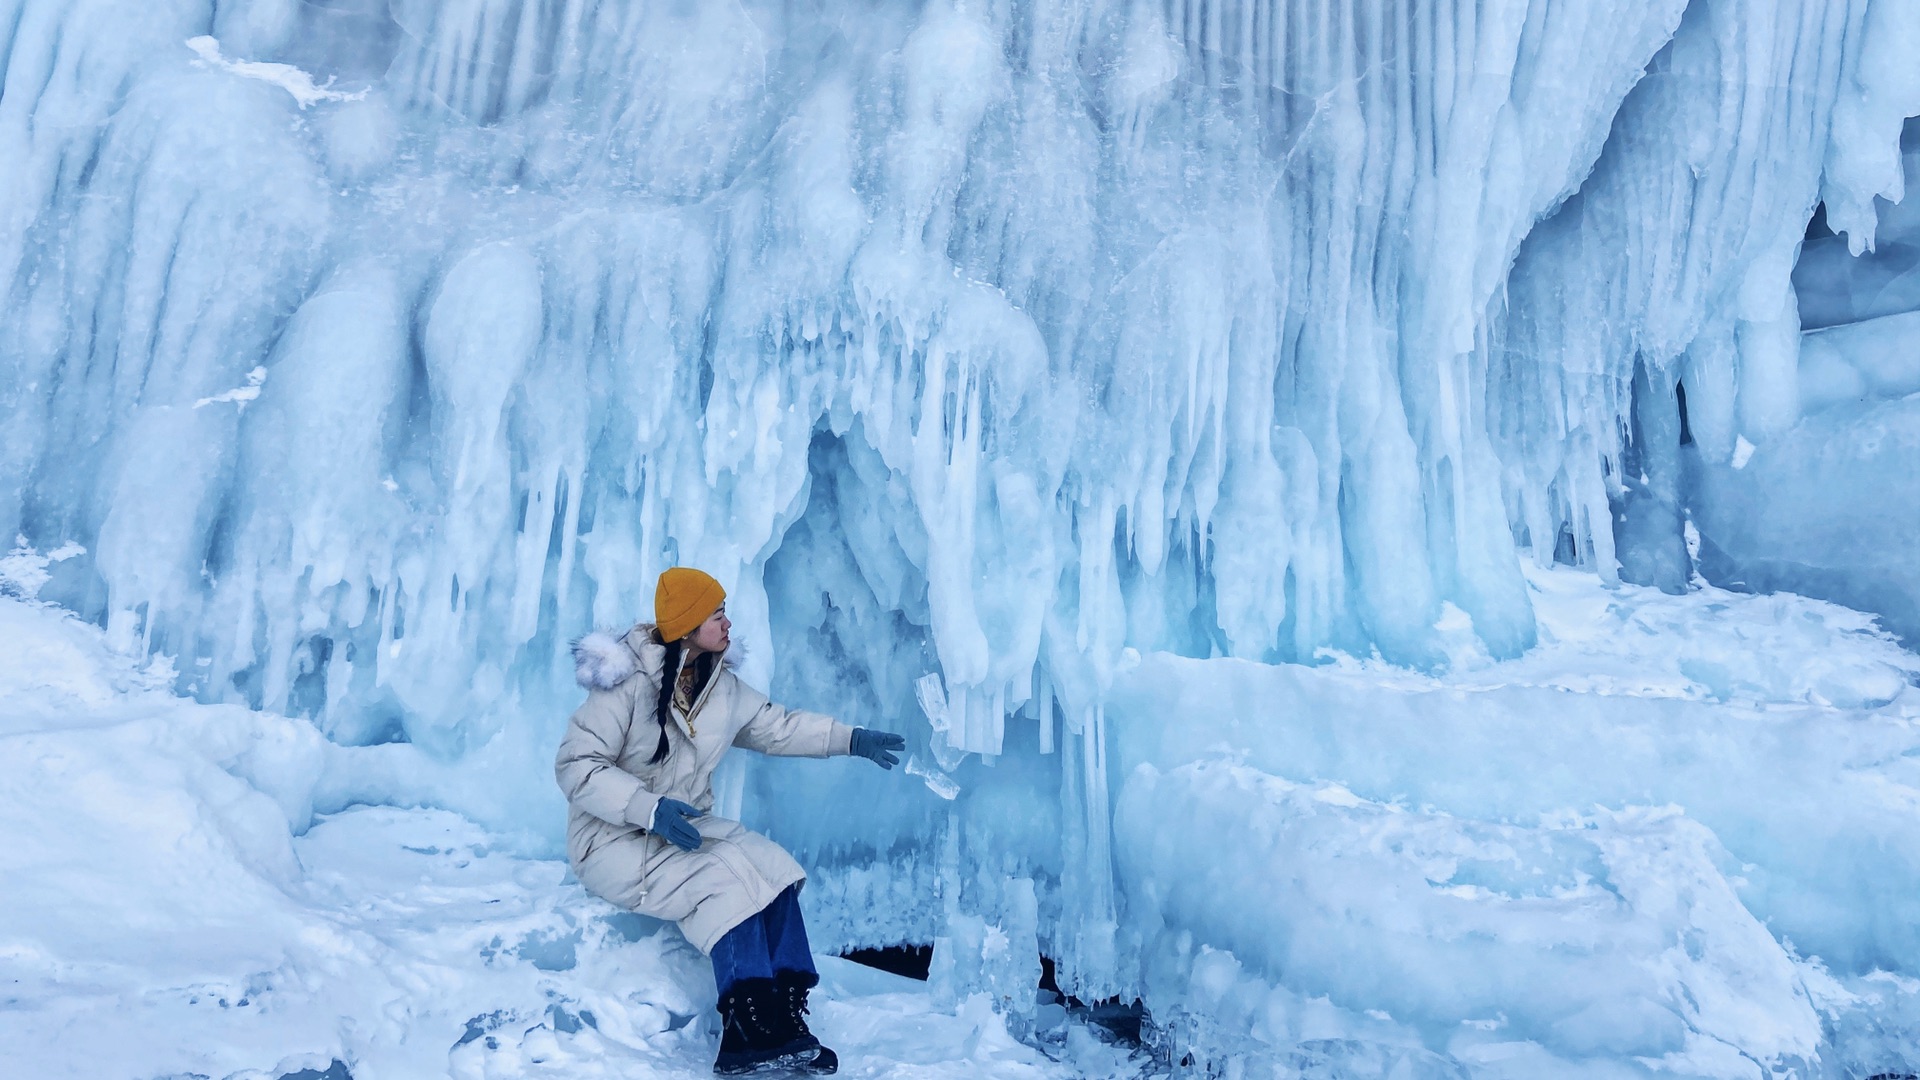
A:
x: 752, y: 1022
x: 758, y: 1033
x: 736, y: 1053
x: 792, y: 988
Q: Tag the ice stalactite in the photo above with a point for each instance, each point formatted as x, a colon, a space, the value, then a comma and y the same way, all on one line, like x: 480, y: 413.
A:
x: 1675, y: 259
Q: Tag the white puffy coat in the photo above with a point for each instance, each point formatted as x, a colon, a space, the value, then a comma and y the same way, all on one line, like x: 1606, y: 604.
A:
x: 612, y: 791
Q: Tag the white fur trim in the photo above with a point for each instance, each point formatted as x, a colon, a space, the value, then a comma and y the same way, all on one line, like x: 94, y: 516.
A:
x: 602, y: 661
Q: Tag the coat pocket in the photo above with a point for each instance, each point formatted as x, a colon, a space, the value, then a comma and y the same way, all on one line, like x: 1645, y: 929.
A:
x: 595, y: 839
x: 658, y: 853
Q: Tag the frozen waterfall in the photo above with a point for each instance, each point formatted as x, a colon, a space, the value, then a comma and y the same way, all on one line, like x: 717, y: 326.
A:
x: 1037, y: 376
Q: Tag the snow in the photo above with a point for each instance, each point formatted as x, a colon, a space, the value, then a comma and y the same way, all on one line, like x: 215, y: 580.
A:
x: 1693, y: 802
x: 1611, y: 849
x: 285, y: 76
x: 195, y: 889
x: 239, y: 395
x: 1742, y: 453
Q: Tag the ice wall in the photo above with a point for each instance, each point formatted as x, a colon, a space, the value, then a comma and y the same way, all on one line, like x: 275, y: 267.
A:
x: 1118, y: 303
x: 1827, y: 507
x: 1693, y: 219
x: 373, y: 350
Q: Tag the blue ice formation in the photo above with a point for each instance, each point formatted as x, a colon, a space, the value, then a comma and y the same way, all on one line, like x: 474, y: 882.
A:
x: 373, y: 349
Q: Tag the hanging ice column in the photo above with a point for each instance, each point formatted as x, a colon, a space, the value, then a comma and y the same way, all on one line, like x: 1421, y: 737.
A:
x: 1672, y: 266
x: 1245, y: 416
x: 1201, y: 316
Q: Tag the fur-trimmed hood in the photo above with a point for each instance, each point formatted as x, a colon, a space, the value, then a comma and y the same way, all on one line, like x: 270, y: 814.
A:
x: 604, y: 659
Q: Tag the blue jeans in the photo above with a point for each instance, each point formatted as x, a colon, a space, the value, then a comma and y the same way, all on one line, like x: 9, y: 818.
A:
x: 766, y: 945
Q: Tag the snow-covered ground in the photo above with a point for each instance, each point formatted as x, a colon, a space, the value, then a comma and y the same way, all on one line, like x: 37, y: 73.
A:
x: 194, y: 890
x: 204, y: 890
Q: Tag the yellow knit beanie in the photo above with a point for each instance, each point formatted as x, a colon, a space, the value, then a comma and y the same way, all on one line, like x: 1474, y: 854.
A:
x: 683, y: 600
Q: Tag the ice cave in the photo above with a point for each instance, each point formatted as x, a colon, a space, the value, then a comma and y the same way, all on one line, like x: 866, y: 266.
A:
x: 1390, y: 528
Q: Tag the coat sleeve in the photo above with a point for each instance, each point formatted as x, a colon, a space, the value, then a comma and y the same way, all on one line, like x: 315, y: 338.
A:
x: 776, y: 729
x: 587, y: 764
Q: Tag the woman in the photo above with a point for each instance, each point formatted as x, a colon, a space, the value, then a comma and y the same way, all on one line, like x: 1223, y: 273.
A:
x: 637, y: 768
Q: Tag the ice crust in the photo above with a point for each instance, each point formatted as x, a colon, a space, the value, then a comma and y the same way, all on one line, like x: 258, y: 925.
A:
x: 360, y: 354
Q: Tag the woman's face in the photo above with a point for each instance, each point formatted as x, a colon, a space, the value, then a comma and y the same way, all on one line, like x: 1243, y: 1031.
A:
x: 712, y: 636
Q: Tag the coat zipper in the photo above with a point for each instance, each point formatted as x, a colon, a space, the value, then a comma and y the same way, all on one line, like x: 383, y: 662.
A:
x: 706, y: 691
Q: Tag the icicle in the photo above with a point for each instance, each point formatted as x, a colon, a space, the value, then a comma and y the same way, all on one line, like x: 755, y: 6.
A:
x: 1044, y: 710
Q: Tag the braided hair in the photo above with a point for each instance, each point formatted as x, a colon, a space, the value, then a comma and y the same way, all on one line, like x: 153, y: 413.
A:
x: 669, y: 674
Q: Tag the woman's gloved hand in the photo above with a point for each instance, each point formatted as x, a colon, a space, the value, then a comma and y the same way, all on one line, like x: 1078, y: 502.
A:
x: 877, y: 746
x: 670, y: 822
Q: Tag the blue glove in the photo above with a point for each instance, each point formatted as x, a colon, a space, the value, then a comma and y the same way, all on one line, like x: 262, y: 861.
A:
x: 670, y: 823
x: 877, y: 746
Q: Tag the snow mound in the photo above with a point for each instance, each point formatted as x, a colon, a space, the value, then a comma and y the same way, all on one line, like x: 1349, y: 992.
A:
x: 175, y: 906
x: 1652, y: 839
x: 1611, y: 935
